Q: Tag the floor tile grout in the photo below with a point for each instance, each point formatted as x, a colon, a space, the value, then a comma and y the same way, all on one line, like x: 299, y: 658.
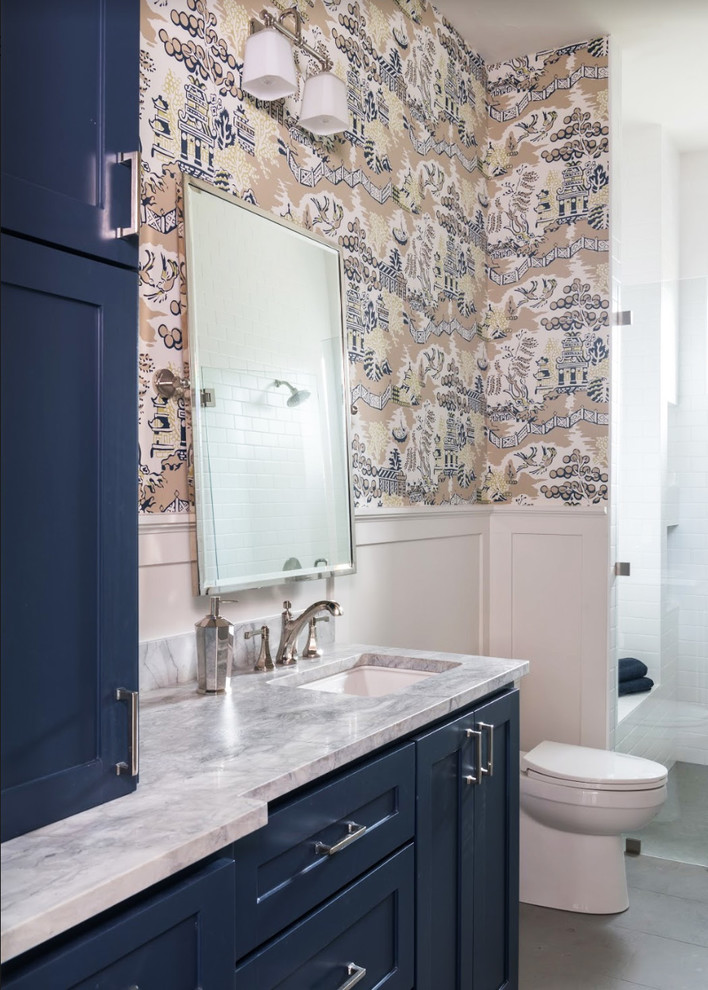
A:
x: 544, y: 927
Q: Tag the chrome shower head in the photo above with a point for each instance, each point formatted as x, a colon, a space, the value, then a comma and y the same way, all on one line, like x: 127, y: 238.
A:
x: 297, y: 396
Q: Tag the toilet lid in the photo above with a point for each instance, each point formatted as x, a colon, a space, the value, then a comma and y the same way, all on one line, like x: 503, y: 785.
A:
x: 596, y: 768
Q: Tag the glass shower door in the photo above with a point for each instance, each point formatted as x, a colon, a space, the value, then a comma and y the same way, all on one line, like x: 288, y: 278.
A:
x: 660, y: 528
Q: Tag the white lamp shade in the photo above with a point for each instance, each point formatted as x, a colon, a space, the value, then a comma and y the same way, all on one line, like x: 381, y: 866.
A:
x: 268, y: 66
x: 324, y: 105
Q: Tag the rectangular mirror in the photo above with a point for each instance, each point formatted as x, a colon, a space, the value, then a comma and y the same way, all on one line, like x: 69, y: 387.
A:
x: 270, y: 413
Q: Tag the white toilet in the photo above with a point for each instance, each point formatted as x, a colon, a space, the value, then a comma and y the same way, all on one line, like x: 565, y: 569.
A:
x: 575, y: 804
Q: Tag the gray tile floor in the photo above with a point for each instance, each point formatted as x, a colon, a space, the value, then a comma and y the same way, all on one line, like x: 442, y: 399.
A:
x: 680, y: 830
x: 661, y: 942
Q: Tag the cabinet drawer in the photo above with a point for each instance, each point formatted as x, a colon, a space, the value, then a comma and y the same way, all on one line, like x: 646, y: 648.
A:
x: 300, y: 859
x: 181, y: 938
x: 369, y: 926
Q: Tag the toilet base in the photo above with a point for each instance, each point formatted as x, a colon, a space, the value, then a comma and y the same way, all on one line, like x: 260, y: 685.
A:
x: 571, y: 872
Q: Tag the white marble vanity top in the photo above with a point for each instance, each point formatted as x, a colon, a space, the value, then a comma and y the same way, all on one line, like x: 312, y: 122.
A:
x: 208, y: 767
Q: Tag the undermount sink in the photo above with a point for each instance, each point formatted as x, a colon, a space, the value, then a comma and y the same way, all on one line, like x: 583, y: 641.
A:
x: 369, y: 682
x: 374, y: 675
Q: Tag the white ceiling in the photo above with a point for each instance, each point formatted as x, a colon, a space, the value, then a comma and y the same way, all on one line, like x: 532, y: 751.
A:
x: 663, y: 47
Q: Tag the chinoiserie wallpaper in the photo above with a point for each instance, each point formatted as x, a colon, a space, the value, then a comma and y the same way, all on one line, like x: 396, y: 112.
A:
x: 547, y: 379
x: 471, y: 203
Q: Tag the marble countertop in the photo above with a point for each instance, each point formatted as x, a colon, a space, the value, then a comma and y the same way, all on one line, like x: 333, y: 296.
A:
x: 209, y: 765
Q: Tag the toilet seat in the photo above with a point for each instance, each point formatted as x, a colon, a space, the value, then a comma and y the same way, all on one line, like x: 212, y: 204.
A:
x: 596, y: 769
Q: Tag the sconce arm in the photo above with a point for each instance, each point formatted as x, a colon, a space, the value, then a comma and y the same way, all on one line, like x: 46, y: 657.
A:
x: 270, y: 21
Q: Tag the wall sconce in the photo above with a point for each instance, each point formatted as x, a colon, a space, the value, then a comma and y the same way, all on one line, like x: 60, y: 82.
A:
x: 269, y: 73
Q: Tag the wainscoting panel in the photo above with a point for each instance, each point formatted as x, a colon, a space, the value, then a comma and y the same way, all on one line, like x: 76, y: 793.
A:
x: 548, y: 580
x: 421, y: 587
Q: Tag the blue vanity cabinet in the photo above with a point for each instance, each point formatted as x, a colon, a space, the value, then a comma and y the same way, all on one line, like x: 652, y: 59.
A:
x: 467, y: 784
x: 178, y: 939
x: 399, y: 872
x: 69, y: 406
x: 464, y: 773
x: 69, y: 118
x: 69, y: 546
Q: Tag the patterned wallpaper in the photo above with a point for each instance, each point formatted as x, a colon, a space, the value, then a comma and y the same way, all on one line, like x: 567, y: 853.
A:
x: 472, y: 213
x: 547, y: 380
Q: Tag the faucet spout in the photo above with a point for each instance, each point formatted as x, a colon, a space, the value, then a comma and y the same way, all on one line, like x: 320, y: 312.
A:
x: 292, y: 625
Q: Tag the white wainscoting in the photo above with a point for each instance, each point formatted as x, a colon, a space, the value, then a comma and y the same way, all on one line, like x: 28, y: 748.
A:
x: 420, y: 580
x: 548, y: 580
x: 528, y: 583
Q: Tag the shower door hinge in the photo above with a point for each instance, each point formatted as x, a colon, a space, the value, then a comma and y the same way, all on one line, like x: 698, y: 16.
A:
x: 207, y: 397
x: 622, y: 568
x: 622, y: 318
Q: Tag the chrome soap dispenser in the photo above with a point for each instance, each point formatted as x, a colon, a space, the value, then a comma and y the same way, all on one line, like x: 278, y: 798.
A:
x: 215, y: 650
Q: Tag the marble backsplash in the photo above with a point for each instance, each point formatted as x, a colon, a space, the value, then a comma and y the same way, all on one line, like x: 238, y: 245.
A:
x: 164, y: 663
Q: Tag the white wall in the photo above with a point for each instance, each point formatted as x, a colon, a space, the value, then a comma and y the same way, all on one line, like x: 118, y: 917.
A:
x: 525, y: 583
x: 419, y: 582
x: 694, y: 214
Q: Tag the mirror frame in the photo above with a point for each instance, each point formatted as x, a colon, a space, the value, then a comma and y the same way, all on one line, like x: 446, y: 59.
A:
x: 201, y: 588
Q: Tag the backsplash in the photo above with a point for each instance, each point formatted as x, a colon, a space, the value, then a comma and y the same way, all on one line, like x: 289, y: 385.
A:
x: 459, y: 359
x: 165, y: 663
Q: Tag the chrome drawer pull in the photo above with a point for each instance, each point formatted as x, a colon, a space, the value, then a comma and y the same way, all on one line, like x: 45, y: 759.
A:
x: 490, y: 742
x: 354, y: 832
x: 475, y: 778
x: 132, y: 770
x: 355, y: 973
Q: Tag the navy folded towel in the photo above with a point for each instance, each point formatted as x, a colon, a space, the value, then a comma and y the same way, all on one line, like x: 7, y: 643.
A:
x: 636, y: 686
x: 630, y: 669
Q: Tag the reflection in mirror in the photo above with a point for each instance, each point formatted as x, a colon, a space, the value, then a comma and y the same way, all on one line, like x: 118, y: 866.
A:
x: 269, y: 391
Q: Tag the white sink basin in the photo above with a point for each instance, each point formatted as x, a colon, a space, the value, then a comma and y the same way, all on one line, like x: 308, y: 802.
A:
x: 368, y: 681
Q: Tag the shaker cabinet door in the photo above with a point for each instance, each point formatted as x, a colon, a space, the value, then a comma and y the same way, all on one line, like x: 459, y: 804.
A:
x: 69, y: 532
x: 179, y: 939
x: 467, y: 850
x: 496, y: 837
x: 445, y: 856
x: 69, y: 113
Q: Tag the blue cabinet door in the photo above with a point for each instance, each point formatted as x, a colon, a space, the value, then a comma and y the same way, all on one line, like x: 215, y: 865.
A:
x: 496, y: 844
x: 445, y: 856
x: 69, y: 531
x: 467, y: 850
x: 69, y: 111
x: 179, y: 939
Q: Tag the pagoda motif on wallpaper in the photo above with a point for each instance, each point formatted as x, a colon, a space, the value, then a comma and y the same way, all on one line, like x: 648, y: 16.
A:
x: 471, y: 208
x: 547, y: 384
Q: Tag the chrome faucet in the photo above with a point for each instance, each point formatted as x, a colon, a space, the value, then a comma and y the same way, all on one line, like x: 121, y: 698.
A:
x: 291, y: 627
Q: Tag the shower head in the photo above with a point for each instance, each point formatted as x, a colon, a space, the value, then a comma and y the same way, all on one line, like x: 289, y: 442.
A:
x: 297, y: 396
